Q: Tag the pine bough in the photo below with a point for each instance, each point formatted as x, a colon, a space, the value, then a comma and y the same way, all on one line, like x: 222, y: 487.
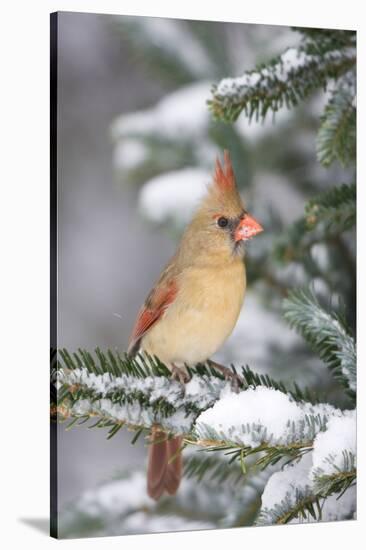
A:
x: 307, y: 448
x: 286, y: 79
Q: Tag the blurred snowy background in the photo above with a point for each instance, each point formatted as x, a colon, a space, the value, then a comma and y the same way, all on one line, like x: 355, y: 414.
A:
x: 136, y: 147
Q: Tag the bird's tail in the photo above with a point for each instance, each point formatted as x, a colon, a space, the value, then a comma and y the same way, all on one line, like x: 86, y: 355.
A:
x: 164, y: 470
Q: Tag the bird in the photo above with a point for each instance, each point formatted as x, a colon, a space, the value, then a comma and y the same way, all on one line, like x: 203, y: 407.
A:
x: 194, y: 305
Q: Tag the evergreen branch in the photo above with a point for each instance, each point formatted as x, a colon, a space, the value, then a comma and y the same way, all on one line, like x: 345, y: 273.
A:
x: 324, y: 40
x: 286, y: 80
x: 326, y: 217
x: 339, y: 482
x: 292, y: 245
x: 336, y: 207
x: 139, y: 391
x: 306, y: 504
x: 266, y: 454
x: 285, y: 510
x: 326, y: 333
x: 336, y: 137
x: 136, y: 391
x: 261, y: 456
x: 253, y: 379
x: 119, y: 391
x: 270, y: 450
x: 113, y: 363
x: 213, y: 467
x: 303, y: 492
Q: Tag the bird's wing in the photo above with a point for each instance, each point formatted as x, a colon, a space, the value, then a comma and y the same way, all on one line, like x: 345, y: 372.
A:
x: 155, y: 305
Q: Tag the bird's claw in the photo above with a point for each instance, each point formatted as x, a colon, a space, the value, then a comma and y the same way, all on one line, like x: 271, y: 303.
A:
x: 236, y: 381
x: 180, y: 374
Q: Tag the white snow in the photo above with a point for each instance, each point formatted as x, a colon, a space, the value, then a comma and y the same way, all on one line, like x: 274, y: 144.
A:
x: 320, y: 287
x: 116, y: 497
x: 323, y: 410
x: 338, y: 509
x: 200, y: 393
x: 251, y: 417
x: 329, y: 446
x: 173, y: 196
x: 320, y: 254
x: 183, y: 114
x: 129, y: 153
x: 290, y: 61
x: 81, y: 407
x: 283, y: 484
x: 285, y: 487
x: 297, y: 479
x: 229, y: 86
x: 263, y: 415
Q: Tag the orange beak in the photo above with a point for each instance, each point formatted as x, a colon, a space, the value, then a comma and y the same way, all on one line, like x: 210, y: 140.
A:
x: 247, y: 228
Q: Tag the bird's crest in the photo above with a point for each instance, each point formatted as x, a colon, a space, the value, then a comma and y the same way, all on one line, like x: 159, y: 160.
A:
x: 224, y: 175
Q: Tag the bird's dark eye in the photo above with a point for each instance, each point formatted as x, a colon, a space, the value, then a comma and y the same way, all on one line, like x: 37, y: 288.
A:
x: 222, y: 221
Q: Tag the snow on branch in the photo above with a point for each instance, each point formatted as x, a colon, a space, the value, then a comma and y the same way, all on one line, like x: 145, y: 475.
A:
x: 178, y: 116
x: 284, y: 81
x: 334, y: 456
x: 173, y: 196
x: 134, y: 392
x: 315, y: 469
x: 321, y: 485
x: 165, y: 136
x: 175, y: 130
x: 287, y: 493
x: 139, y: 392
x: 260, y: 425
x: 290, y: 496
x: 325, y: 332
x: 263, y: 419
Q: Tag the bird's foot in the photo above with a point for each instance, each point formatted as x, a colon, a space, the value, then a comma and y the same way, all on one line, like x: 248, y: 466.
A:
x: 180, y: 374
x: 236, y: 381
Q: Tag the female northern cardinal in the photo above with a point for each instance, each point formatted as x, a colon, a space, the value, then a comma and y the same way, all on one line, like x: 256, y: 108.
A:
x: 195, y: 304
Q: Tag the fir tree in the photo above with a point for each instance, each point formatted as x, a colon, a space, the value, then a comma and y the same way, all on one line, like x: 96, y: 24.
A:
x: 280, y: 452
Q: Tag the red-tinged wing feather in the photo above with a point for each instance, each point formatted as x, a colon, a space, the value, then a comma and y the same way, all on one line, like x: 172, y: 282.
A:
x: 156, y: 304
